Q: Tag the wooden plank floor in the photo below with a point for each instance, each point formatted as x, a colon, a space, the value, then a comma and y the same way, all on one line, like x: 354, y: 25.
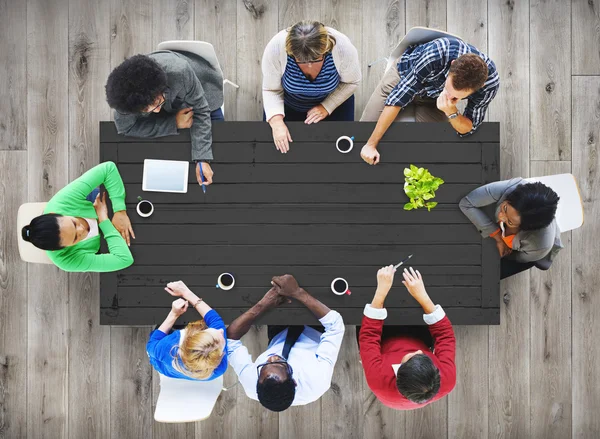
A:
x: 62, y: 375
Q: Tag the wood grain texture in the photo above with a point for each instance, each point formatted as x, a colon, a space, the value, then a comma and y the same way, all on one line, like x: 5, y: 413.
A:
x: 551, y: 335
x: 383, y: 27
x: 585, y: 38
x: 341, y: 405
x: 585, y: 275
x: 13, y: 299
x: 172, y: 20
x: 509, y: 398
x: 257, y: 23
x: 222, y: 422
x: 427, y: 13
x: 13, y: 74
x: 346, y: 17
x: 215, y: 22
x: 130, y: 29
x: 47, y: 156
x: 550, y: 106
x: 89, y: 343
x: 468, y: 402
x: 130, y: 384
x: 468, y: 20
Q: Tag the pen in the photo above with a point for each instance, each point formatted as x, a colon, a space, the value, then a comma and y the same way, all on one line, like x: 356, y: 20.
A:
x: 202, y: 178
x: 404, y: 261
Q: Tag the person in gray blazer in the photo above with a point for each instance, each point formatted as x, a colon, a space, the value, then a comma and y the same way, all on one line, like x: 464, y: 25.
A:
x: 157, y: 94
x: 524, y: 225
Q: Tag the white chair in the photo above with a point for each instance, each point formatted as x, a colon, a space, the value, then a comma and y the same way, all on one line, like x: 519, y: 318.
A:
x: 416, y: 35
x: 569, y: 212
x: 202, y: 49
x: 185, y: 400
x: 27, y: 251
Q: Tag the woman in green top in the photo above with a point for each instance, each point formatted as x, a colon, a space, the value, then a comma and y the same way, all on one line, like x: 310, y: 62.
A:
x: 69, y: 228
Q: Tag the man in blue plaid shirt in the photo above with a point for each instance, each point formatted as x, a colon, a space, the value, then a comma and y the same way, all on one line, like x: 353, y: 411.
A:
x: 435, y: 76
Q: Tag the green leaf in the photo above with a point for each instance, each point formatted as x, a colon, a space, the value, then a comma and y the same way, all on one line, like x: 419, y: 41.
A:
x: 431, y: 205
x: 407, y: 172
x: 413, y: 169
x: 409, y: 206
x: 428, y: 196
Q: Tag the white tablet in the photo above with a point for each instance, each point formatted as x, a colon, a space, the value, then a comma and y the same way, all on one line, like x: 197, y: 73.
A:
x: 165, y: 176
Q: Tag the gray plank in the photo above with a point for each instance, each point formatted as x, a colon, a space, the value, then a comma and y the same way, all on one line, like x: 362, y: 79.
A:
x: 250, y: 131
x: 314, y: 152
x: 380, y: 421
x: 13, y: 74
x: 290, y: 214
x: 550, y: 103
x: 468, y: 402
x: 130, y: 384
x: 384, y: 25
x: 247, y: 276
x: 333, y: 193
x: 13, y: 299
x: 468, y: 20
x: 89, y: 343
x: 215, y: 22
x: 291, y: 12
x: 550, y: 324
x: 302, y: 254
x: 585, y: 38
x: 131, y: 29
x: 585, y: 274
x: 308, y: 234
x: 301, y: 316
x: 172, y: 20
x: 222, y: 422
x: 429, y: 421
x: 47, y: 137
x: 509, y: 397
x: 427, y: 13
x: 302, y: 421
x: 248, y: 296
x: 342, y: 405
x: 257, y: 23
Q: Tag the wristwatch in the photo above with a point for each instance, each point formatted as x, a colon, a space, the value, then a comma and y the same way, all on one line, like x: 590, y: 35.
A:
x: 453, y: 115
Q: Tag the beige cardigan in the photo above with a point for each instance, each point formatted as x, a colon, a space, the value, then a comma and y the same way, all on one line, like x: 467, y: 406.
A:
x: 345, y: 58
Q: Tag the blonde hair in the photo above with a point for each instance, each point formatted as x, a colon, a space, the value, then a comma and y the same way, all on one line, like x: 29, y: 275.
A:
x: 308, y: 41
x: 199, y: 354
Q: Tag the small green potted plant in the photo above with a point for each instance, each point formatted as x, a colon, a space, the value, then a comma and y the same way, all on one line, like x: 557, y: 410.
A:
x: 420, y: 187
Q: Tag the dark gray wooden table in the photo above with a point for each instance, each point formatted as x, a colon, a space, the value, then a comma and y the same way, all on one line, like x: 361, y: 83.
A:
x: 313, y: 212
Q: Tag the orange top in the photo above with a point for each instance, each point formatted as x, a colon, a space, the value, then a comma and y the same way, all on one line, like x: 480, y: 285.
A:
x: 508, y: 240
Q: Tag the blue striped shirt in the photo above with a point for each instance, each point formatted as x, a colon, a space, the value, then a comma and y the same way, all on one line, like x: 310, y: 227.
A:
x: 302, y: 94
x: 423, y: 71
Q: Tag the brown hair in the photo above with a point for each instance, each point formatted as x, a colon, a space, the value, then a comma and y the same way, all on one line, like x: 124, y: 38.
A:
x: 199, y: 354
x: 469, y: 72
x: 308, y: 41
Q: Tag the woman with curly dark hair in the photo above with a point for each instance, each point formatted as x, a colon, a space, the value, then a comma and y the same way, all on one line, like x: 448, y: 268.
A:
x: 524, y: 225
x: 154, y: 95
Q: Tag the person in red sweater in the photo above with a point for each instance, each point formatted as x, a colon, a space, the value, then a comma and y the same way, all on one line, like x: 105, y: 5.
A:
x: 402, y: 371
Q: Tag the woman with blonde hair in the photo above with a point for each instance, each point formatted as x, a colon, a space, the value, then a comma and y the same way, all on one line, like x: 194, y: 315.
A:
x: 310, y: 72
x: 196, y: 352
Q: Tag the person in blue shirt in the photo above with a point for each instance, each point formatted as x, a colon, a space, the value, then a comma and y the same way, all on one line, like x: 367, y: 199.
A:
x: 196, y: 352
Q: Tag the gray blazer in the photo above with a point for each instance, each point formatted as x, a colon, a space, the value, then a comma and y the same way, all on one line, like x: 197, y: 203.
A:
x: 191, y: 82
x: 530, y: 246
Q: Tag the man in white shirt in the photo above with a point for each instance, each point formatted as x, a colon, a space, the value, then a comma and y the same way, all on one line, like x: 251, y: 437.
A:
x: 297, y: 367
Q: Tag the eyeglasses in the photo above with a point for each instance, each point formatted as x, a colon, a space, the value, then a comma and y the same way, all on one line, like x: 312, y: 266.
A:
x: 158, y: 106
x: 290, y: 371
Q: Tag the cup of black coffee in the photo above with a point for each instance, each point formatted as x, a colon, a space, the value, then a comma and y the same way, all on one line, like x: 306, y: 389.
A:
x: 344, y: 144
x: 339, y: 286
x: 226, y: 281
x: 145, y: 208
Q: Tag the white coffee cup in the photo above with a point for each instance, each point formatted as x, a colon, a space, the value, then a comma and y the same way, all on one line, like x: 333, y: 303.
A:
x: 345, y: 139
x: 226, y: 281
x: 142, y: 208
x: 339, y: 286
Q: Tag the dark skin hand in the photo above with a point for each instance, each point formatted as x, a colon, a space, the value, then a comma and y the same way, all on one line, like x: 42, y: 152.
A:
x: 288, y: 286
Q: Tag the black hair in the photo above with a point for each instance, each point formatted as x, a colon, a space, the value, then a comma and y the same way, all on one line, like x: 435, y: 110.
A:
x: 536, y: 204
x: 43, y: 232
x: 135, y: 84
x: 418, y: 379
x: 276, y: 395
